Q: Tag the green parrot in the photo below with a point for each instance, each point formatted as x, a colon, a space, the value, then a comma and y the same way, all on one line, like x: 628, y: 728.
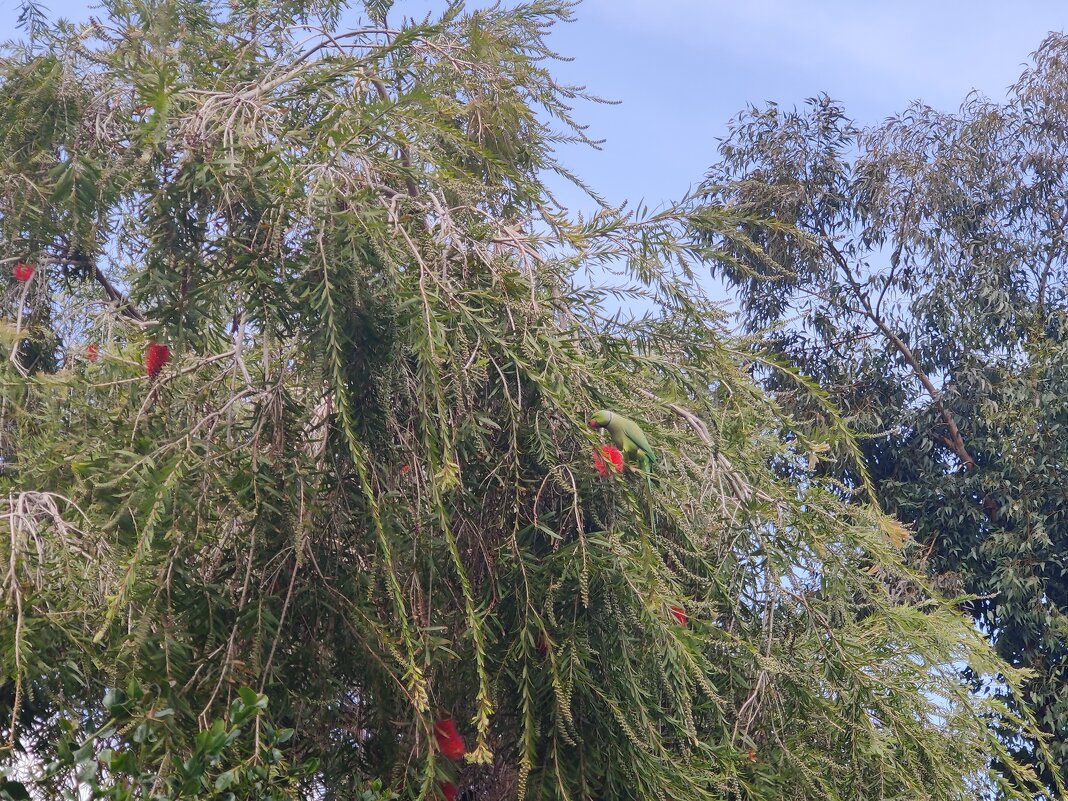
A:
x: 627, y: 436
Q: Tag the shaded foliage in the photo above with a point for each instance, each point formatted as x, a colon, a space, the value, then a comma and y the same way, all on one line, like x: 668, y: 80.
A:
x: 923, y: 286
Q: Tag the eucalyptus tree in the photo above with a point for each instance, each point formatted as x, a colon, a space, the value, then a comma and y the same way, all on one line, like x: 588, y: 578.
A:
x: 299, y: 498
x: 918, y: 273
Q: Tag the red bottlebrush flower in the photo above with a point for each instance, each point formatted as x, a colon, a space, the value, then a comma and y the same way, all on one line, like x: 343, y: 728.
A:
x: 449, y: 740
x: 448, y: 789
x: 92, y: 353
x: 156, y: 356
x: 608, y: 461
x: 23, y: 272
x: 680, y: 615
x: 751, y: 754
x: 405, y: 468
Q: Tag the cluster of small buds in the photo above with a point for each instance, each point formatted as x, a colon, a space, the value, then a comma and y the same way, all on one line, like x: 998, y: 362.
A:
x: 156, y: 355
x: 609, y: 460
x: 450, y: 743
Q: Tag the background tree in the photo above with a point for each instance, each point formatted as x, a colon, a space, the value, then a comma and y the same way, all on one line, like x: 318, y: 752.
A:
x: 355, y: 495
x: 920, y: 277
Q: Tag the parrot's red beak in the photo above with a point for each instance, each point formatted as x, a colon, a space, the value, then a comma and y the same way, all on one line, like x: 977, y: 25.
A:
x: 593, y: 424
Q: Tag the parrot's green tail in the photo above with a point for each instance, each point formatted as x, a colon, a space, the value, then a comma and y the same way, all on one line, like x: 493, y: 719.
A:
x: 646, y: 465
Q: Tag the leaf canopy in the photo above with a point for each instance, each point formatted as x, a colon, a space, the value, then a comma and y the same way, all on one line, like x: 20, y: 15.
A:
x: 918, y: 274
x: 360, y: 495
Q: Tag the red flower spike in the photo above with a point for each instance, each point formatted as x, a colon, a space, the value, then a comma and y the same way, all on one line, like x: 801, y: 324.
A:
x: 405, y: 468
x: 449, y: 740
x: 680, y: 615
x: 92, y: 353
x: 751, y: 755
x: 608, y: 461
x: 448, y: 789
x: 23, y: 272
x: 156, y: 356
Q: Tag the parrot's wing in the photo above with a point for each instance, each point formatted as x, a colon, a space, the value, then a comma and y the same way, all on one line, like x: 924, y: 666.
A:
x: 637, y: 436
x: 629, y: 447
x: 619, y: 439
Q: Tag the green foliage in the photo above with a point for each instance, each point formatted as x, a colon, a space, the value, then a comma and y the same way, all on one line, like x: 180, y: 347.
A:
x: 364, y: 484
x: 121, y: 759
x: 919, y: 275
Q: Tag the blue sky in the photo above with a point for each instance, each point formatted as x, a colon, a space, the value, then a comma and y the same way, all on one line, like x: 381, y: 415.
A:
x: 682, y: 68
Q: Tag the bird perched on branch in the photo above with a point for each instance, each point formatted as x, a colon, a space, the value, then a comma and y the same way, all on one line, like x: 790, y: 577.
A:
x: 627, y: 436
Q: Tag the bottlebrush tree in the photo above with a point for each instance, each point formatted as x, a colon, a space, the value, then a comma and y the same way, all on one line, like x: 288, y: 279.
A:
x: 358, y: 500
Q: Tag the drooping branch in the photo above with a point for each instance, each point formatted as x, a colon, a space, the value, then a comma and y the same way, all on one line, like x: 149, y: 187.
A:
x: 1055, y: 246
x: 406, y: 158
x: 122, y: 303
x: 955, y: 440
